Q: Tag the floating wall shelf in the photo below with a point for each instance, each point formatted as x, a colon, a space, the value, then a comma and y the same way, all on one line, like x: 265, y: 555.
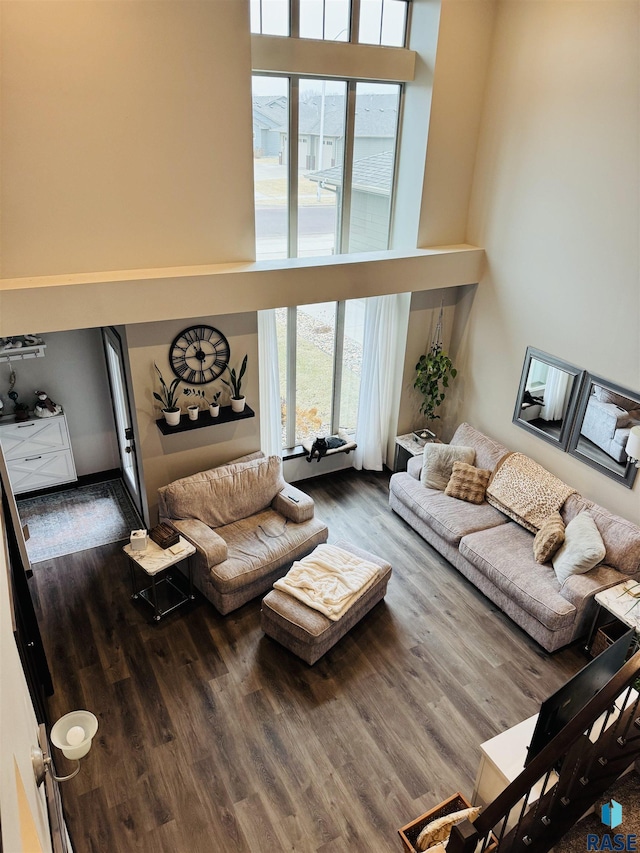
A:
x: 227, y: 415
x: 20, y: 353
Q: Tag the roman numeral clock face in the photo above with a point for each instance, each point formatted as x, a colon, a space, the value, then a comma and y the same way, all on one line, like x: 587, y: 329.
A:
x: 199, y: 354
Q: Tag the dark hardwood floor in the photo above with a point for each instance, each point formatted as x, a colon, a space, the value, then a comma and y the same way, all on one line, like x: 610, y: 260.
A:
x: 214, y: 738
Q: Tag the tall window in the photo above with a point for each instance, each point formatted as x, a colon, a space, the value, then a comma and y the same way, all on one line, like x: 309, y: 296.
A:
x: 324, y: 164
x: 381, y: 22
x: 345, y: 129
x: 320, y: 361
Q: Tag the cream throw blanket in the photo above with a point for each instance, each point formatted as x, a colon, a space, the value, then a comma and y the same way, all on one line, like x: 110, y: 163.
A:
x: 329, y: 580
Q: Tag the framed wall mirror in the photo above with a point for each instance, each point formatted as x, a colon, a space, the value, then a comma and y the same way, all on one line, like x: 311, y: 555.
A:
x: 547, y: 397
x: 604, y: 416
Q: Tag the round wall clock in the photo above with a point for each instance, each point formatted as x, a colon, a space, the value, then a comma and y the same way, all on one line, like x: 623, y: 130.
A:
x: 199, y: 354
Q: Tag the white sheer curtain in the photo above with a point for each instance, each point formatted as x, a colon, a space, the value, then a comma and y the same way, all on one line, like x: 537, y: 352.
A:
x: 269, y: 377
x: 555, y: 393
x: 384, y: 319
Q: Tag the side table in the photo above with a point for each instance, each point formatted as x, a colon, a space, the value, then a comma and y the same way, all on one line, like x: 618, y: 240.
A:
x: 164, y: 594
x: 622, y: 602
x: 407, y: 446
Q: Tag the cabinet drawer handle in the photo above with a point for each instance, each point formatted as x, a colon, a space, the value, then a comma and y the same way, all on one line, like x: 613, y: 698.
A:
x: 32, y: 458
x: 23, y: 426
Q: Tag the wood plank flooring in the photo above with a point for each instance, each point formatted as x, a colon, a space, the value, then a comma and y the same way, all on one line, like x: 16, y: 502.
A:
x: 213, y: 738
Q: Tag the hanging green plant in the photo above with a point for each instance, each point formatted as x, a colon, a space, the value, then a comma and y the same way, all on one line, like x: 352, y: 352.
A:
x: 433, y: 372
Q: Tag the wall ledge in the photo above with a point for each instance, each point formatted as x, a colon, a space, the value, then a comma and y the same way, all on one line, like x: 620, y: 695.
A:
x: 77, y: 300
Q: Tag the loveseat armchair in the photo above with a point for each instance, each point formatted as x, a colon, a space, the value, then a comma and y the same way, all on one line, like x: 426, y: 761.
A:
x: 246, y: 523
x: 608, y: 420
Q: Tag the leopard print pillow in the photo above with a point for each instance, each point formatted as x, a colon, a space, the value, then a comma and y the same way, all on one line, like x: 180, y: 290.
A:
x: 549, y: 538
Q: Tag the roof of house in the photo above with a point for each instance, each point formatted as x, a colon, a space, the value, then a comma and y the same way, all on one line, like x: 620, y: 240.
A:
x: 270, y: 111
x: 372, y: 174
x: 376, y: 114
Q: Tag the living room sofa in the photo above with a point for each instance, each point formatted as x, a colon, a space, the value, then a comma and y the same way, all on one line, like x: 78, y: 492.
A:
x: 496, y: 554
x: 247, y: 525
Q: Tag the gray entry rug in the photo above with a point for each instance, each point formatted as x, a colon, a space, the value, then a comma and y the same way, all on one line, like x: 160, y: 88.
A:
x: 76, y: 519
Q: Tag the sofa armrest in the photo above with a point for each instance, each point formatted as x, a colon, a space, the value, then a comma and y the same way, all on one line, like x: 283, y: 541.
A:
x: 602, y: 419
x: 293, y: 504
x: 206, y: 541
x: 414, y: 467
x: 580, y: 590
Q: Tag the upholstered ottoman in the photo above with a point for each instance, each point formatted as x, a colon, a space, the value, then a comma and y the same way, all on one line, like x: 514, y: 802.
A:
x: 307, y: 632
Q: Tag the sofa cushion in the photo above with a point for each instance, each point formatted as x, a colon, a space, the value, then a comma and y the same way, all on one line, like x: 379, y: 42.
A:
x: 449, y: 518
x: 467, y: 483
x: 581, y: 550
x: 488, y: 451
x: 621, y: 537
x: 505, y: 556
x: 259, y: 544
x: 226, y: 494
x: 549, y: 538
x: 438, y: 462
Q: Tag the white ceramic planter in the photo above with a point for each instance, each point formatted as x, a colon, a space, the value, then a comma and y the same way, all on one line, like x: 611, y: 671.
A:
x: 171, y: 417
x: 238, y: 405
x: 214, y: 409
x: 193, y: 411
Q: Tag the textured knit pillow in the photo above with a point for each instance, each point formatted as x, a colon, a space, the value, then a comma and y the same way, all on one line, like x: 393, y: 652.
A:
x: 549, y: 538
x: 440, y: 829
x: 581, y: 550
x: 467, y: 483
x: 438, y: 462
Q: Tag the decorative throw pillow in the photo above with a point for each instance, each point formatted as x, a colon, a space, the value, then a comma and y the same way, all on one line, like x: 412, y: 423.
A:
x: 467, y: 483
x: 440, y: 829
x: 549, y: 538
x: 582, y: 549
x: 438, y: 462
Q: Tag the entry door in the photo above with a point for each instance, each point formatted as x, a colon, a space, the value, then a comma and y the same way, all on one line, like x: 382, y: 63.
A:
x: 122, y: 413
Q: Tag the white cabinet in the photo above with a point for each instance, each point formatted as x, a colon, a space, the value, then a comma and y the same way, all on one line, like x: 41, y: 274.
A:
x: 38, y: 453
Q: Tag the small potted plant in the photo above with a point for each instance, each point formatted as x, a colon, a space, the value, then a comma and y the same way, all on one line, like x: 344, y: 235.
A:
x: 235, y: 384
x: 168, y: 397
x: 193, y: 409
x: 214, y: 406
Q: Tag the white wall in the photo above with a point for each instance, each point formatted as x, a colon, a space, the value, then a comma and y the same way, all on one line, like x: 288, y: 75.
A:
x: 23, y: 807
x: 459, y: 74
x: 167, y: 457
x: 556, y: 204
x: 126, y: 135
x: 73, y: 374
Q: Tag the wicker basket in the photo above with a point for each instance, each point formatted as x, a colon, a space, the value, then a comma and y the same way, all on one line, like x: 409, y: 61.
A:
x: 606, y: 635
x: 411, y: 831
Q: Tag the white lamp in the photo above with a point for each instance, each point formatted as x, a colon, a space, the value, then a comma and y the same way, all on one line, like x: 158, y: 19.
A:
x: 72, y: 734
x: 632, y: 448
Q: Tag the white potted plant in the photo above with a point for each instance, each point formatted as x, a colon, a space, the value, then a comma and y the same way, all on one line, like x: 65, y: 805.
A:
x: 168, y: 397
x: 235, y: 384
x: 193, y: 409
x: 214, y: 406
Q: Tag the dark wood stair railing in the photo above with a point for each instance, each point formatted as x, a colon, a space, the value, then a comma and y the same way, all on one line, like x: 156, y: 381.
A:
x: 572, y: 772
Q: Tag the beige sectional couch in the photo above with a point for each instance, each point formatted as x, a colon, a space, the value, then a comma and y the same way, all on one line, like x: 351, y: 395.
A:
x: 247, y: 524
x: 496, y: 553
